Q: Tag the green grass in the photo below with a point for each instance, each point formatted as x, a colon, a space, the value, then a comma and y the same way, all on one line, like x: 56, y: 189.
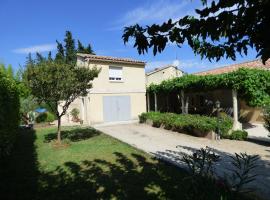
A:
x: 94, y: 166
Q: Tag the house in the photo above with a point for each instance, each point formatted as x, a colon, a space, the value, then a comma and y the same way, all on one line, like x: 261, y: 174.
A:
x: 118, y: 93
x: 163, y: 73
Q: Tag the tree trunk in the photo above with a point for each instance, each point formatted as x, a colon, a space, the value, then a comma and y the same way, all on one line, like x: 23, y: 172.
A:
x: 59, y: 129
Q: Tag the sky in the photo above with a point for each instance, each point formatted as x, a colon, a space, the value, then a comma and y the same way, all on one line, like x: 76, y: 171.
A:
x: 34, y: 26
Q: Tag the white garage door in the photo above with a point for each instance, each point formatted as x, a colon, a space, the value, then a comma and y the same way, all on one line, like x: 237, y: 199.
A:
x: 116, y: 108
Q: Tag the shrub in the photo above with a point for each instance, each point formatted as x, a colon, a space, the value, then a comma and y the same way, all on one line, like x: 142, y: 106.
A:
x: 41, y: 117
x: 50, y: 117
x: 9, y: 114
x: 142, y: 117
x: 75, y: 114
x: 238, y: 135
x: 188, y: 123
x: 45, y: 117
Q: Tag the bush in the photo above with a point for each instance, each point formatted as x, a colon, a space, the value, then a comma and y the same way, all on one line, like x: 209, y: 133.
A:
x: 188, y: 123
x: 45, y: 117
x: 50, y: 117
x: 75, y: 114
x: 238, y: 135
x: 9, y: 114
x: 41, y: 117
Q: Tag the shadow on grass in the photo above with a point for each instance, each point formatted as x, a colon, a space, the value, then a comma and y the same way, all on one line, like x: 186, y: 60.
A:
x: 132, y: 177
x: 74, y: 135
x: 19, y: 172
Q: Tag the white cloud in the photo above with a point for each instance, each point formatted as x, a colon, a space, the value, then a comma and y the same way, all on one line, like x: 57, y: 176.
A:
x: 36, y: 48
x: 154, y: 12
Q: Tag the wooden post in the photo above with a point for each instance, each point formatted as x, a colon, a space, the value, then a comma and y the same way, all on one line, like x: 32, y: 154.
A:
x: 183, y: 101
x: 236, y: 124
x: 155, y: 98
x: 148, y: 101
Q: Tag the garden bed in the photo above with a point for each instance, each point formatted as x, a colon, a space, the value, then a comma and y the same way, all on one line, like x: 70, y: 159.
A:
x: 196, y: 125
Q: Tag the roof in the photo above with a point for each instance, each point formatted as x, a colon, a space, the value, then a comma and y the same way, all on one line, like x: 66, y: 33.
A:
x: 92, y: 57
x: 254, y: 64
x: 161, y: 68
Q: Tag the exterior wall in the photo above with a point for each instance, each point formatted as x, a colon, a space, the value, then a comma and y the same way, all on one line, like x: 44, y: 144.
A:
x: 164, y: 74
x: 133, y: 85
x: 250, y: 114
x: 95, y: 109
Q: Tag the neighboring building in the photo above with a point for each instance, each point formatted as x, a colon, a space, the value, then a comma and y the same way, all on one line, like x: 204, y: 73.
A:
x: 163, y: 73
x: 118, y: 93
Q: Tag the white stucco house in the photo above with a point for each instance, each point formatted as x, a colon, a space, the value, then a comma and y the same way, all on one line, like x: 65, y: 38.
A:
x: 118, y: 93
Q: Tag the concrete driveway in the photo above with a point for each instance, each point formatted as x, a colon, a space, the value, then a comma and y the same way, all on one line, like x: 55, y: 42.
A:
x: 168, y: 146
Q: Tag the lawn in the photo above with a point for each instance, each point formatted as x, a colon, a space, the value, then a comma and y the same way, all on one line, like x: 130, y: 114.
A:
x: 93, y: 166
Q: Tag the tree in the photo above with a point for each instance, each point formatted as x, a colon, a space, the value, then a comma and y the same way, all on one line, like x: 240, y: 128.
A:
x: 222, y: 29
x: 60, y: 55
x: 70, y: 49
x: 53, y: 81
x: 82, y: 49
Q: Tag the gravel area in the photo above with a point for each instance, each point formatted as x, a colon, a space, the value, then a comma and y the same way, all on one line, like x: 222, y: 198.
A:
x: 168, y: 145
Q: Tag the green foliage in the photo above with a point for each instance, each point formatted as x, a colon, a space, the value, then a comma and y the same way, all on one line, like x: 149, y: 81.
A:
x: 201, y: 162
x: 75, y: 113
x: 238, y: 135
x: 253, y: 85
x: 41, y: 117
x: 67, y: 51
x: 59, y: 79
x: 82, y: 49
x: 187, y: 123
x: 52, y: 82
x: 45, y: 117
x: 244, y: 166
x: 220, y: 29
x: 9, y: 113
x: 267, y: 117
x: 201, y: 166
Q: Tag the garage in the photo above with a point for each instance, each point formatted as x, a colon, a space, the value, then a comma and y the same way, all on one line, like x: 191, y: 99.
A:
x: 116, y: 108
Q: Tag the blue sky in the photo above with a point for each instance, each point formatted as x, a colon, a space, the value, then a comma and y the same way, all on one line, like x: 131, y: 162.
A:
x: 34, y: 25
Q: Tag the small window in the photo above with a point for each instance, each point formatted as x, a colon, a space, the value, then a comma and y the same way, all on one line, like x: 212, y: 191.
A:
x: 115, y: 73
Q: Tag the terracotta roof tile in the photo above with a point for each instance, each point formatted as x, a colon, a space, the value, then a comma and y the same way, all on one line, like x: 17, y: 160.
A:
x: 254, y: 64
x: 91, y: 57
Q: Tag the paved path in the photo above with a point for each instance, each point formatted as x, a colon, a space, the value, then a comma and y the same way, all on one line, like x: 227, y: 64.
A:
x: 257, y: 131
x: 168, y: 145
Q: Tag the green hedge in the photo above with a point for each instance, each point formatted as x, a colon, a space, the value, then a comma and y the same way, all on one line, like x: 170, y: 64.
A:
x: 9, y: 114
x: 238, y: 135
x: 253, y: 85
x: 188, y: 123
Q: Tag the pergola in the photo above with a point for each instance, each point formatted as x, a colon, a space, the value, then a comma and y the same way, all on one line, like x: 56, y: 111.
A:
x: 251, y: 85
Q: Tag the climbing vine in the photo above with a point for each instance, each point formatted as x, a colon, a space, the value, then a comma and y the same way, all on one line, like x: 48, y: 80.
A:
x: 253, y: 85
